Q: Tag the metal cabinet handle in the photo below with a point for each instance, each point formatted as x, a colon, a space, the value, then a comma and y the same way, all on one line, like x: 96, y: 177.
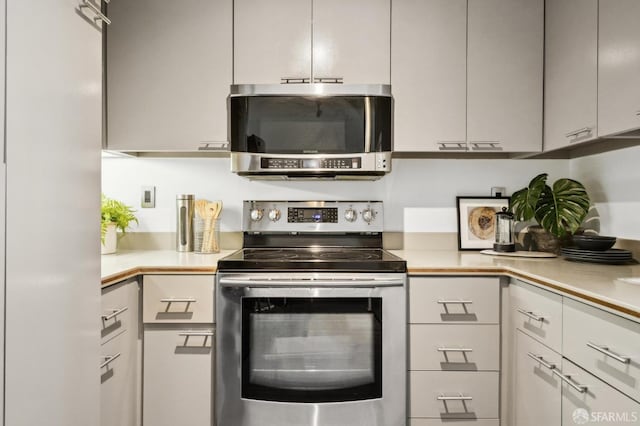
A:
x: 179, y: 300
x: 294, y: 80
x: 531, y: 315
x: 454, y: 302
x: 578, y: 132
x: 605, y: 350
x: 452, y: 146
x: 638, y: 113
x: 568, y: 380
x: 114, y: 313
x: 197, y: 333
x: 541, y: 360
x: 95, y: 9
x: 454, y: 350
x: 330, y: 80
x: 486, y: 146
x: 213, y: 146
x: 461, y: 397
x: 109, y: 359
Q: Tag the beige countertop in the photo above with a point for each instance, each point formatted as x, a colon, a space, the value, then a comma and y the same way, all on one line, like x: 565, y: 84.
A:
x: 601, y: 284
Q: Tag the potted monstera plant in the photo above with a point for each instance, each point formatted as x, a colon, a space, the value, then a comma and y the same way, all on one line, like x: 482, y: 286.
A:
x: 115, y: 215
x: 558, y: 209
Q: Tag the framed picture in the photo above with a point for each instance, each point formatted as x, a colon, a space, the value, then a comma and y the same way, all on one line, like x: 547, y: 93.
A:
x: 477, y: 221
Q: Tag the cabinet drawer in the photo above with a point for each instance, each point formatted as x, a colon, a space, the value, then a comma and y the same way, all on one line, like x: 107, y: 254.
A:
x: 178, y: 299
x: 454, y: 347
x: 118, y: 312
x: 538, y: 313
x: 440, y: 300
x: 480, y: 390
x: 599, y: 404
x: 441, y: 422
x: 118, y: 382
x: 617, y: 362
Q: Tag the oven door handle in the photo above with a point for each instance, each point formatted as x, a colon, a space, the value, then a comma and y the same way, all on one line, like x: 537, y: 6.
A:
x: 298, y: 283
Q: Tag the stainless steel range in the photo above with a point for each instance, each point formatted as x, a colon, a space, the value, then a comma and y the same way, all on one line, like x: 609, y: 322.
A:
x: 311, y: 319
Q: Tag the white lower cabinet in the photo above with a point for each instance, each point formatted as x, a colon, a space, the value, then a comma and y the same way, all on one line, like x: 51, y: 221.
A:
x: 589, y: 400
x: 119, y: 363
x: 178, y: 375
x: 537, y: 388
x: 454, y: 351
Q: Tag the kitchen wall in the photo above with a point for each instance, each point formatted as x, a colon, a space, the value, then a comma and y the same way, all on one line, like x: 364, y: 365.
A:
x: 613, y: 182
x: 419, y: 194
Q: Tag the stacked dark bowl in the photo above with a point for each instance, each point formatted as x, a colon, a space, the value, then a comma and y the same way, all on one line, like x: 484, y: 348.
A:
x: 593, y: 242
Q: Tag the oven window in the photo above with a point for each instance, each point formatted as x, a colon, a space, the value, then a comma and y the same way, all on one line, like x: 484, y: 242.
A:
x: 311, y: 349
x: 309, y: 125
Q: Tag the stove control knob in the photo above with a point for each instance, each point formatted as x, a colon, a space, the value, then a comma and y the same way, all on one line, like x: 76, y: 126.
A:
x: 350, y: 215
x: 368, y: 215
x: 256, y: 215
x: 274, y: 215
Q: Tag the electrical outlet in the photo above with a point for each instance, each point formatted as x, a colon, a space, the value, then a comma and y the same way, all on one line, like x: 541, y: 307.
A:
x: 148, y: 197
x: 498, y: 191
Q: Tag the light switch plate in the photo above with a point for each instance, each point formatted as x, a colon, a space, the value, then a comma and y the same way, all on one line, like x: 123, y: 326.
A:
x: 148, y: 197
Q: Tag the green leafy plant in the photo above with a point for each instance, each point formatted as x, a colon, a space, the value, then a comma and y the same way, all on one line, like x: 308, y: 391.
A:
x: 559, y: 209
x: 115, y: 212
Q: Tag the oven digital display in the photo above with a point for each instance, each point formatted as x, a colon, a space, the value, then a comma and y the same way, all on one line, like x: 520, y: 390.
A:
x: 312, y: 215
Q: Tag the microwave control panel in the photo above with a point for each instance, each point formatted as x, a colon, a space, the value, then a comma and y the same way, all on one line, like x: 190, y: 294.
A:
x: 311, y: 163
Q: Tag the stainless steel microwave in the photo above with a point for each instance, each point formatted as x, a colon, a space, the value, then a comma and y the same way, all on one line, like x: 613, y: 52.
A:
x: 322, y: 131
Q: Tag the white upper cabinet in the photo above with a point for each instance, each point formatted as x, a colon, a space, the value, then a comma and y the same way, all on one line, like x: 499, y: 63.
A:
x: 271, y: 40
x: 571, y: 72
x: 429, y: 75
x: 352, y: 40
x: 305, y: 41
x: 618, y: 66
x: 169, y: 67
x: 505, y: 66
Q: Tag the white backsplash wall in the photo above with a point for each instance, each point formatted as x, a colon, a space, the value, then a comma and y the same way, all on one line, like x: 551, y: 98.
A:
x: 612, y: 180
x: 419, y: 194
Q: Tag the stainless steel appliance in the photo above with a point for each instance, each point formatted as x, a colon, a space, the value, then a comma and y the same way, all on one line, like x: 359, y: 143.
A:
x: 329, y: 131
x: 311, y: 319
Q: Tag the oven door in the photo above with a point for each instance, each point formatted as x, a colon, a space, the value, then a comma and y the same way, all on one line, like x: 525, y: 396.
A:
x: 306, y: 349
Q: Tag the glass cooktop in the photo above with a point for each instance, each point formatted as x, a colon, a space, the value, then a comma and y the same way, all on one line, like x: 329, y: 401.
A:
x: 332, y: 259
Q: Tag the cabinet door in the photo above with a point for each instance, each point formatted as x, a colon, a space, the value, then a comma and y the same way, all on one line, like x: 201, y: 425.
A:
x: 505, y: 65
x: 120, y: 379
x: 352, y: 40
x: 535, y: 384
x: 178, y: 376
x: 571, y: 72
x: 599, y: 403
x: 168, y: 74
x: 429, y: 78
x: 618, y: 66
x: 271, y: 40
x: 53, y: 141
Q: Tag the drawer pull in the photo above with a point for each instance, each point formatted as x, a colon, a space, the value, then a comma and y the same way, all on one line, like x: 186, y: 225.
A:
x: 196, y: 334
x: 179, y: 300
x: 460, y: 397
x: 114, y: 313
x: 578, y: 132
x: 455, y: 350
x: 605, y: 350
x: 568, y: 380
x: 455, y: 302
x: 541, y: 360
x: 96, y: 10
x: 638, y: 113
x: 109, y: 359
x: 531, y: 315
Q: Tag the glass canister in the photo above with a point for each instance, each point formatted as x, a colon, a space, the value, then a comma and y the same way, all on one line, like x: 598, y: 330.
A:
x: 184, y: 222
x: 505, y: 240
x: 206, y: 226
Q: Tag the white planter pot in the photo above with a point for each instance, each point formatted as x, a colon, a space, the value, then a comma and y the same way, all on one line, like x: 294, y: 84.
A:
x: 110, y: 240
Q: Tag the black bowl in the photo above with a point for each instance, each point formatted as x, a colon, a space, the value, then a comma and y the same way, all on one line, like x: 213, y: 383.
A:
x: 593, y: 242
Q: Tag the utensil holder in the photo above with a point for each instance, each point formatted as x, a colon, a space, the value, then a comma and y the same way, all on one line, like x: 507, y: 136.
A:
x: 206, y: 235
